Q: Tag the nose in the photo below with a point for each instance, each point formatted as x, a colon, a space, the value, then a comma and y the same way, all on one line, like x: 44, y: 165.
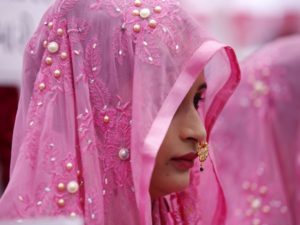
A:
x: 193, y: 127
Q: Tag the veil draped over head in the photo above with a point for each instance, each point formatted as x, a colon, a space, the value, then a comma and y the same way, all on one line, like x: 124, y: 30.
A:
x: 262, y: 183
x: 102, y: 81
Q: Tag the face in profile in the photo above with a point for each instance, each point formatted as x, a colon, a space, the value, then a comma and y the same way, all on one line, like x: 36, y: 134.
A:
x: 177, y: 153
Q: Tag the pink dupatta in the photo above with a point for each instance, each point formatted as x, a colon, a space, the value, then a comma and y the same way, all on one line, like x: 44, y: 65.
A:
x: 101, y: 82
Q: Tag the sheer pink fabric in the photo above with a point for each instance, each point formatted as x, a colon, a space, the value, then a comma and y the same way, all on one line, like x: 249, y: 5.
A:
x: 257, y: 139
x: 101, y: 82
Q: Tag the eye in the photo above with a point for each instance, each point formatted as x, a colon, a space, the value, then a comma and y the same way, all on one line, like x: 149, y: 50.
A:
x: 198, y: 98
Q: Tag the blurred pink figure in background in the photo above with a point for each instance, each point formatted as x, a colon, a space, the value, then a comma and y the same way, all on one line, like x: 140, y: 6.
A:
x: 257, y: 139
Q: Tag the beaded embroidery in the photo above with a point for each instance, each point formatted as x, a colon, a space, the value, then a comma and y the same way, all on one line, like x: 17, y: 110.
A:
x: 150, y: 23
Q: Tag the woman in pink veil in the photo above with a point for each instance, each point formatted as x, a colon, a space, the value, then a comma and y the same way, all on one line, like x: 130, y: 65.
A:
x: 103, y: 81
x: 260, y: 171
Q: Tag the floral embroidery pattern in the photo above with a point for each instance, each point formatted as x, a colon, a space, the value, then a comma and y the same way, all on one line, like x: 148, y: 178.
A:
x: 77, y: 30
x: 112, y: 121
x: 50, y: 158
x: 91, y: 202
x: 61, y: 194
x: 85, y: 122
x: 58, y: 192
x: 116, y: 138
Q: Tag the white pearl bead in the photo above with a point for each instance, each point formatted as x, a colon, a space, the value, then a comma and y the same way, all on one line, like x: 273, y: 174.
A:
x: 152, y: 23
x: 48, y: 60
x: 61, y: 202
x: 63, y: 55
x: 256, y: 203
x: 60, y: 31
x: 42, y: 86
x: 72, y: 187
x: 53, y: 47
x: 157, y: 9
x: 135, y: 12
x: 45, y: 43
x: 106, y: 119
x: 124, y: 154
x: 136, y: 28
x: 137, y: 3
x: 145, y: 13
x: 50, y: 25
x: 57, y: 73
x: 69, y: 166
x: 61, y: 186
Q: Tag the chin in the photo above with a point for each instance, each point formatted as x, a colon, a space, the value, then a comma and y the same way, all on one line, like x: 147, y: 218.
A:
x: 180, y: 181
x: 171, y: 184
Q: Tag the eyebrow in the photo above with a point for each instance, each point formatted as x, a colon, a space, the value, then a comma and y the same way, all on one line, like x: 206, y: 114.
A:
x: 203, y: 86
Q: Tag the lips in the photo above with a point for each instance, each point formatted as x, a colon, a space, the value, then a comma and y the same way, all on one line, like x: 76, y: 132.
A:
x: 184, y: 162
x: 190, y: 156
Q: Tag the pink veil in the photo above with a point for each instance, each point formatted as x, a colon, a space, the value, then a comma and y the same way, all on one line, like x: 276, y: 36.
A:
x: 101, y: 82
x: 256, y: 140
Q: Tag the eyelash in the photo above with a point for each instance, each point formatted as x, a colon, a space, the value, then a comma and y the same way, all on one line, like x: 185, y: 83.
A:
x: 198, y: 98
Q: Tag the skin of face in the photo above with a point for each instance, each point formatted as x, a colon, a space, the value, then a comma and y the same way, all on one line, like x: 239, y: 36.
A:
x: 185, y: 131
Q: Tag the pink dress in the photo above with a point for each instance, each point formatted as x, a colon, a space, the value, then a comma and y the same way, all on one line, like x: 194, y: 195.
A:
x: 102, y: 80
x: 257, y: 139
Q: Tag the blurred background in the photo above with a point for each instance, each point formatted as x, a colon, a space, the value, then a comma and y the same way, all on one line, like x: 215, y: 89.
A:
x: 245, y: 25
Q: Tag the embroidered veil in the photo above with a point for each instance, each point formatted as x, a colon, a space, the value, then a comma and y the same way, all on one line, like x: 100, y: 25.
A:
x: 102, y: 80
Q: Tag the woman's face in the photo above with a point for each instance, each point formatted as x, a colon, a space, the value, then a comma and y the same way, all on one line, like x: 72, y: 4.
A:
x: 177, y: 153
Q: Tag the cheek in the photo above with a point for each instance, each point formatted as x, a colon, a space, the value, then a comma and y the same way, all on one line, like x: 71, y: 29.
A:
x: 166, y: 150
x: 162, y: 165
x: 162, y: 169
x: 166, y: 178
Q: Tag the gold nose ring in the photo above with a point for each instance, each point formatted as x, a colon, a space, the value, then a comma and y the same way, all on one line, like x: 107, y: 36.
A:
x: 202, y: 152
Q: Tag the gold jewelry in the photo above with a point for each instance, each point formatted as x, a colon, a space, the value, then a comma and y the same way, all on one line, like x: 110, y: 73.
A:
x: 202, y: 152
